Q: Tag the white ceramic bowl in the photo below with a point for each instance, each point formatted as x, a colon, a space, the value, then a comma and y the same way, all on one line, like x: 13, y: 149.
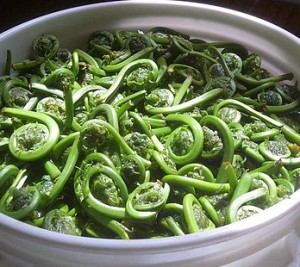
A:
x: 268, y: 239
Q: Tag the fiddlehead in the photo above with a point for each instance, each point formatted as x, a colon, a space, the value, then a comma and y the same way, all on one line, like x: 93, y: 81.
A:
x: 184, y: 145
x: 103, y: 191
x: 194, y: 216
x: 16, y: 94
x: 44, y: 47
x: 34, y: 140
x: 19, y: 202
x: 146, y: 200
x: 62, y: 221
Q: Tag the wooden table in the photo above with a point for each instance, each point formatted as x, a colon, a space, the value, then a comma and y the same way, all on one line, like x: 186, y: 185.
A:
x: 284, y: 13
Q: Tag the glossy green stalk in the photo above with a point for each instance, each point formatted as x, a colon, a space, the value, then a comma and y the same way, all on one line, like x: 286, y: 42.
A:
x: 226, y: 174
x: 139, y: 55
x: 283, y: 108
x: 197, y: 184
x: 86, y: 57
x: 182, y: 90
x: 62, y: 145
x: 44, y: 90
x: 66, y: 172
x: 255, y: 82
x: 135, y: 98
x: 52, y: 169
x: 259, y: 88
x: 68, y: 96
x: 243, y: 186
x: 188, y: 105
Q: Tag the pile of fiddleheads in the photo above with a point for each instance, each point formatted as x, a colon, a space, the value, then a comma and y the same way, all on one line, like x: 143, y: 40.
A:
x: 144, y: 134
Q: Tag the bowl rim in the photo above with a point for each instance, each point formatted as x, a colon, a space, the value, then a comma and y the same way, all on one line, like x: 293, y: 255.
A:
x: 273, y: 215
x: 187, y: 3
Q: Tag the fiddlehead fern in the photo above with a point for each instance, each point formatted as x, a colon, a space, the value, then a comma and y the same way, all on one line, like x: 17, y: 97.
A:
x: 146, y: 200
x: 145, y: 134
x: 35, y: 140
